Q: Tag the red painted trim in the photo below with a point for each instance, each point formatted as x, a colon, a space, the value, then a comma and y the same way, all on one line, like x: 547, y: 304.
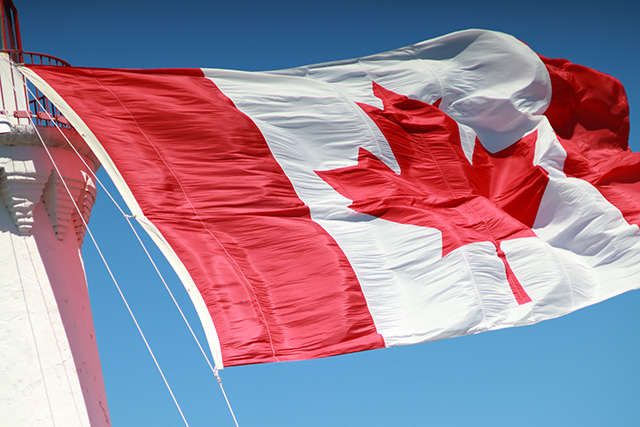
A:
x: 21, y: 114
x: 17, y: 27
x: 4, y: 26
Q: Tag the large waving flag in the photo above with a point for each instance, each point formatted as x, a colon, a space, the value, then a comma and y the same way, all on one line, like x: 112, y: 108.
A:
x: 455, y: 186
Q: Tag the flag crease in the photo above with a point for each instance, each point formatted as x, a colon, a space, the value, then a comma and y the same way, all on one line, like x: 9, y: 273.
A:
x: 459, y: 185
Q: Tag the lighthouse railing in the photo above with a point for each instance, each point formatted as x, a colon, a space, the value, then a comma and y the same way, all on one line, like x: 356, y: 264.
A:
x: 38, y: 109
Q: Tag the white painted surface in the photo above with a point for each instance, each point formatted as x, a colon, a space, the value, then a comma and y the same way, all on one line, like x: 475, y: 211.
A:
x: 50, y: 372
x: 14, y: 95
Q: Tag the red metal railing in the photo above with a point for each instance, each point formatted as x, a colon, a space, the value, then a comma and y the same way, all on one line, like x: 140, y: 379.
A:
x: 24, y: 57
x: 41, y: 111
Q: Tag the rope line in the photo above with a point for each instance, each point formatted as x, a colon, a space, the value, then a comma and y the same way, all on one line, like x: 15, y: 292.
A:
x: 127, y: 217
x: 104, y: 261
x: 213, y: 369
x: 215, y: 372
x: 53, y: 329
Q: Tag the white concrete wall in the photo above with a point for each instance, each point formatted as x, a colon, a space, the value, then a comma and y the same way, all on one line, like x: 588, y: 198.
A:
x: 50, y: 372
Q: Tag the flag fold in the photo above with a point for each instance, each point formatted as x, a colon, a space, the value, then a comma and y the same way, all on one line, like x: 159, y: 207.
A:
x: 451, y: 187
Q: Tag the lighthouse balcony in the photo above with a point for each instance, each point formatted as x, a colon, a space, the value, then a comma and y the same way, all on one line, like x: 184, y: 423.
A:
x: 21, y: 102
x: 27, y: 117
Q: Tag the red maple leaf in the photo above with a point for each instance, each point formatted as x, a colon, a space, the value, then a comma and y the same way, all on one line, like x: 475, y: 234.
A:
x: 492, y: 199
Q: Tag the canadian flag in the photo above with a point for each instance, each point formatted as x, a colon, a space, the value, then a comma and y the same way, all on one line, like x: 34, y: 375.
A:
x: 455, y: 186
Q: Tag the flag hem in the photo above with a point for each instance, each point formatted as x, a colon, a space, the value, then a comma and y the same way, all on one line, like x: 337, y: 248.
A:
x: 122, y: 187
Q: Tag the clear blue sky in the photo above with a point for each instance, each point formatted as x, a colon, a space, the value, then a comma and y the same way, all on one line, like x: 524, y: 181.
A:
x: 579, y: 370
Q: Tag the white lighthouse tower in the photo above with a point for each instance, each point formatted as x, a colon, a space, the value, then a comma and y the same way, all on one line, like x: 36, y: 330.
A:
x: 50, y: 371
